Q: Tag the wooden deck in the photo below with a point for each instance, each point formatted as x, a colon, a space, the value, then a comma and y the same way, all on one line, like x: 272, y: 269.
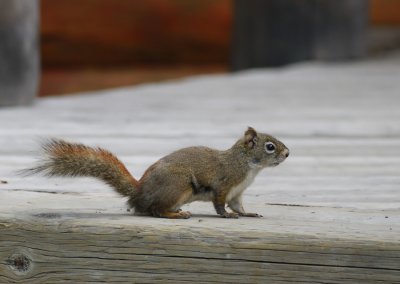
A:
x: 331, y: 211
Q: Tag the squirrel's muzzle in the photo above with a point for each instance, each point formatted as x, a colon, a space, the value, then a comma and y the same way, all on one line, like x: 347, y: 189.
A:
x: 285, y: 152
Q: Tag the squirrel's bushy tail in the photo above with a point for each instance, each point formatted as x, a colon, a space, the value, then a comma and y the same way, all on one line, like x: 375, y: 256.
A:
x: 70, y: 159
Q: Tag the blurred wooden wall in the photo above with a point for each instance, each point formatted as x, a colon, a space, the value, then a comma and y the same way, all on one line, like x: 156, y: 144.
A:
x: 124, y: 32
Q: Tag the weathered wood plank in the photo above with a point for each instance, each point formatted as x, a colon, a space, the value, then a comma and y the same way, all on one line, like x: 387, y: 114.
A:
x: 56, y: 246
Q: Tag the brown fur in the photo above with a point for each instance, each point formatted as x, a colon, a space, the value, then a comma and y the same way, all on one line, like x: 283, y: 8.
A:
x: 190, y: 174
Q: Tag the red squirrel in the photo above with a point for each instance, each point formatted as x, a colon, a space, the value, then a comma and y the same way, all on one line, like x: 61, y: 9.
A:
x: 186, y: 175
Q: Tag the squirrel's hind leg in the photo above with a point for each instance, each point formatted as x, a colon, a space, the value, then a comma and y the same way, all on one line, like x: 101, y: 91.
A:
x: 170, y: 206
x: 175, y: 215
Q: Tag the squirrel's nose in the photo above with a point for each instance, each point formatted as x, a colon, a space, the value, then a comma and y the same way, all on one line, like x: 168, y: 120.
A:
x: 286, y: 153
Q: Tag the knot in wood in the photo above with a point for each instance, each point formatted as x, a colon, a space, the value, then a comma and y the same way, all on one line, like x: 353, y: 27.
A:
x: 19, y: 263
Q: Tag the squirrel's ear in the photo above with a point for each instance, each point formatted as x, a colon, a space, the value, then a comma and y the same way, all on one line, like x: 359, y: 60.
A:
x: 250, y: 137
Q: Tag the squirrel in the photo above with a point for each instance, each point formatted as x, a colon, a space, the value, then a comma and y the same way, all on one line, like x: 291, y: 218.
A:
x: 186, y: 175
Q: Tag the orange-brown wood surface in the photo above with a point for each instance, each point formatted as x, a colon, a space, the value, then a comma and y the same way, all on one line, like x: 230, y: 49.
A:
x: 385, y: 12
x: 107, y: 32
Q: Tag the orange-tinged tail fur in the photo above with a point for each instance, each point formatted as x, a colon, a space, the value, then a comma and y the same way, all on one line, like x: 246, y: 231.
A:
x: 72, y: 159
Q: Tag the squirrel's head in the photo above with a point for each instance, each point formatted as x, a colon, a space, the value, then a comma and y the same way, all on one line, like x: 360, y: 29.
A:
x: 263, y: 150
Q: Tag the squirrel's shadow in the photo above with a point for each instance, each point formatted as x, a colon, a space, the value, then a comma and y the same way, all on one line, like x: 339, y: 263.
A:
x: 112, y: 216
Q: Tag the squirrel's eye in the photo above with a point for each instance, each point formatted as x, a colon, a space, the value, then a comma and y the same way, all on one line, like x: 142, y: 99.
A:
x: 270, y: 147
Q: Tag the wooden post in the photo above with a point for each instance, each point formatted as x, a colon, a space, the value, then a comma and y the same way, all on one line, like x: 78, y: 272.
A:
x: 19, y: 51
x: 277, y: 32
x: 341, y: 28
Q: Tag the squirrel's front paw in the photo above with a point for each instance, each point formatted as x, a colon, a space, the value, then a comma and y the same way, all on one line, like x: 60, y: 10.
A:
x: 230, y: 215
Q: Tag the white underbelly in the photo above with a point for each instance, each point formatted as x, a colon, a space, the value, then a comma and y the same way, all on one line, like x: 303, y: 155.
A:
x: 238, y: 189
x: 208, y: 196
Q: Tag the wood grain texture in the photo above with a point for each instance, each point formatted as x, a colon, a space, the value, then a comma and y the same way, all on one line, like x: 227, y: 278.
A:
x: 60, y: 249
x: 331, y: 211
